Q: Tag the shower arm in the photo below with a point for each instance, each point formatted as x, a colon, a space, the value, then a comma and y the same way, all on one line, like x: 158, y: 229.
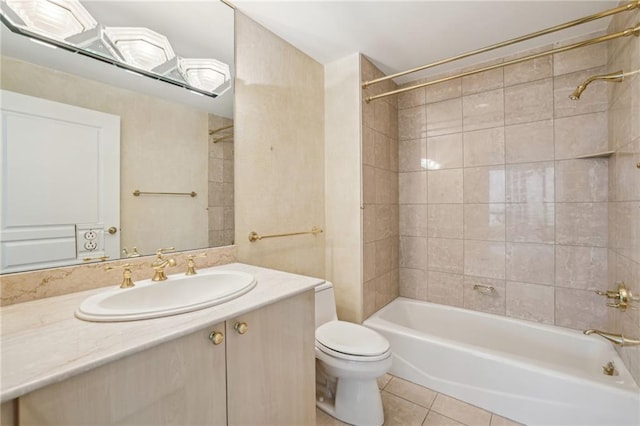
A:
x: 615, y: 77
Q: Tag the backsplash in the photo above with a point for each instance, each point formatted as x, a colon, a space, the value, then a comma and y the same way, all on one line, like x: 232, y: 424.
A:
x: 492, y: 193
x: 32, y: 285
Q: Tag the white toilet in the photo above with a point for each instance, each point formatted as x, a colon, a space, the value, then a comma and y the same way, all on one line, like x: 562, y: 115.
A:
x: 349, y: 359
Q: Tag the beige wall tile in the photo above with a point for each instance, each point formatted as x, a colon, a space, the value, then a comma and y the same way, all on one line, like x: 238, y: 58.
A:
x: 445, y: 220
x: 580, y: 59
x: 581, y: 267
x: 531, y: 263
x: 444, y: 117
x: 531, y: 302
x: 369, y: 223
x: 411, y: 154
x: 413, y: 188
x: 445, y: 186
x: 382, y: 147
x: 445, y: 288
x: 484, y: 221
x: 484, y: 147
x: 582, y: 180
x: 412, y: 123
x: 368, y: 184
x: 383, y: 256
x: 580, y: 135
x: 369, y: 261
x: 445, y: 255
x: 594, y: 99
x: 484, y: 258
x: 580, y: 309
x: 368, y: 145
x: 413, y: 220
x: 529, y: 142
x: 444, y: 152
x: 625, y: 172
x: 382, y: 116
x: 368, y: 298
x: 386, y: 184
x: 443, y: 91
x: 481, y: 82
x: 528, y: 102
x: 483, y: 110
x: 531, y: 222
x: 386, y: 221
x: 491, y: 302
x: 581, y: 224
x: 530, y: 182
x: 535, y: 69
x: 413, y: 283
x: 461, y: 411
x: 413, y: 252
x: 411, y: 392
x: 412, y: 98
x: 484, y: 184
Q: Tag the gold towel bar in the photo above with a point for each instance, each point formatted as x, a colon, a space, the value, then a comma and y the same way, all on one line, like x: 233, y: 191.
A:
x: 214, y: 131
x: 138, y: 193
x: 253, y: 235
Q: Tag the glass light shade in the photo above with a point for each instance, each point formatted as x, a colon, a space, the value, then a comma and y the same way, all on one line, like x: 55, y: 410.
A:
x: 205, y: 74
x: 140, y: 47
x: 56, y: 19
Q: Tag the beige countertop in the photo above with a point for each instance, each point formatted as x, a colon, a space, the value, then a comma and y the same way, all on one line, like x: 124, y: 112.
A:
x: 42, y: 342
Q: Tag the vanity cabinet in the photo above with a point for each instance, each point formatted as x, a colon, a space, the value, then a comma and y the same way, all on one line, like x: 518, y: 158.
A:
x: 263, y: 376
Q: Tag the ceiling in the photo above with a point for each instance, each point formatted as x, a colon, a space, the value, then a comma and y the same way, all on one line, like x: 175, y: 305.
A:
x: 399, y: 35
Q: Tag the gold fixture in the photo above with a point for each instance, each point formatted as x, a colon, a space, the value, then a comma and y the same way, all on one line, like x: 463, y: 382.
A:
x: 222, y: 138
x: 100, y: 258
x: 160, y: 263
x: 622, y: 297
x: 616, y: 77
x: 134, y: 252
x: 609, y: 369
x: 484, y: 289
x: 627, y: 7
x: 254, y: 236
x: 220, y: 129
x: 112, y: 230
x: 241, y: 327
x: 191, y: 264
x: 127, y: 282
x: 617, y: 339
x: 138, y: 193
x: 635, y: 31
x: 216, y: 337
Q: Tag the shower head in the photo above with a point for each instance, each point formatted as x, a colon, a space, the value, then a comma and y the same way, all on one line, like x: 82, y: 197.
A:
x: 616, y: 77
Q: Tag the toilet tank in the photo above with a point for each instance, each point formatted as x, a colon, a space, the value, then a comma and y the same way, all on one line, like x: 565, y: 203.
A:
x: 325, y: 304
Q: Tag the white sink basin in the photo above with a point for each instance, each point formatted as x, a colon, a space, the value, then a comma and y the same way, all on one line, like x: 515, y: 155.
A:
x: 177, y: 295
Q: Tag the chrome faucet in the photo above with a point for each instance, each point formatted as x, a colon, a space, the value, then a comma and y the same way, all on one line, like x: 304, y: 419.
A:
x: 160, y: 263
x: 617, y: 339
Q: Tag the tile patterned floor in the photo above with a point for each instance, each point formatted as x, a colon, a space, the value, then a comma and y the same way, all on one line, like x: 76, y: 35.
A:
x: 407, y: 404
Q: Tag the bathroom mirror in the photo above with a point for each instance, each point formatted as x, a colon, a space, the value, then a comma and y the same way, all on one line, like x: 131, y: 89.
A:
x: 172, y: 140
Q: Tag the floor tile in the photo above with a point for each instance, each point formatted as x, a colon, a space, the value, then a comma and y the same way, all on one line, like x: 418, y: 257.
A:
x: 435, y: 419
x: 411, y: 392
x: 461, y: 411
x: 496, y: 420
x: 323, y: 419
x: 383, y: 381
x: 400, y: 412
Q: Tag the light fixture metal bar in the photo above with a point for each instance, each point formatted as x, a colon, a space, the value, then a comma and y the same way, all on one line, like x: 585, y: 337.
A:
x: 627, y: 7
x: 635, y: 31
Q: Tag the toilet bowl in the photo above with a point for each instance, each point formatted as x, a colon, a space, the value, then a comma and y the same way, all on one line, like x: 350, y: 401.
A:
x: 349, y: 359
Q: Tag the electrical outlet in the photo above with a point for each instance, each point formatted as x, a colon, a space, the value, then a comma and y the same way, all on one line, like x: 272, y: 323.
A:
x: 90, y: 245
x: 90, y: 235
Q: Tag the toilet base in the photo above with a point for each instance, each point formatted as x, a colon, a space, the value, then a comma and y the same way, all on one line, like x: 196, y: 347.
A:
x: 357, y: 402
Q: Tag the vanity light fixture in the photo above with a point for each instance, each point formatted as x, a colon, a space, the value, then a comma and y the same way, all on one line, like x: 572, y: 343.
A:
x: 66, y: 24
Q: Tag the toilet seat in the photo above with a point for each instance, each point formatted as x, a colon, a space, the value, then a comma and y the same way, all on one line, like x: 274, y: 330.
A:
x: 350, y: 341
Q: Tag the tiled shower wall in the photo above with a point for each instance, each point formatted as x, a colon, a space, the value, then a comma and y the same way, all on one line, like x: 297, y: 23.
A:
x: 380, y: 193
x: 624, y: 183
x: 220, y: 183
x: 492, y: 193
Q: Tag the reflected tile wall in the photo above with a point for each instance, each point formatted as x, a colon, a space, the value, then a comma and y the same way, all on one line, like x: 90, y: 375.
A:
x: 388, y: 148
x: 497, y: 197
x: 623, y: 244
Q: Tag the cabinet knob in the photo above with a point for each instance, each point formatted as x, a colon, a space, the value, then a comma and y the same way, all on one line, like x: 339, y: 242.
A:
x: 216, y: 337
x: 241, y: 327
x: 112, y: 230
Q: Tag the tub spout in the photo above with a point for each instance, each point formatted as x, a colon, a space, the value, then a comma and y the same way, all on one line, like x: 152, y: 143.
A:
x: 617, y: 339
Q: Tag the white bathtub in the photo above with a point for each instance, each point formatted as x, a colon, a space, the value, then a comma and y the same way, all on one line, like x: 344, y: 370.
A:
x: 532, y: 373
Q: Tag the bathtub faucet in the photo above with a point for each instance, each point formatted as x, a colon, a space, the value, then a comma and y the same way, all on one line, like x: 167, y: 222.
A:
x: 618, y: 339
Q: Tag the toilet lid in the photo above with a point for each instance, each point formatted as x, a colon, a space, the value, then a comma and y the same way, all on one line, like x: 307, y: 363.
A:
x: 350, y: 338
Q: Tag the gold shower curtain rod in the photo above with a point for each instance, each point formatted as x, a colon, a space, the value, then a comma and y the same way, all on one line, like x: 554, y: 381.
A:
x: 635, y: 31
x: 629, y: 6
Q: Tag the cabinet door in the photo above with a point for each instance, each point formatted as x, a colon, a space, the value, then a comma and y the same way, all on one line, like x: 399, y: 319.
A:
x: 271, y: 367
x: 181, y: 382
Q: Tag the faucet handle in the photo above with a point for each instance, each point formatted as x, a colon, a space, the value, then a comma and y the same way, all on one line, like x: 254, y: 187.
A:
x: 127, y: 282
x: 191, y: 264
x: 162, y: 251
